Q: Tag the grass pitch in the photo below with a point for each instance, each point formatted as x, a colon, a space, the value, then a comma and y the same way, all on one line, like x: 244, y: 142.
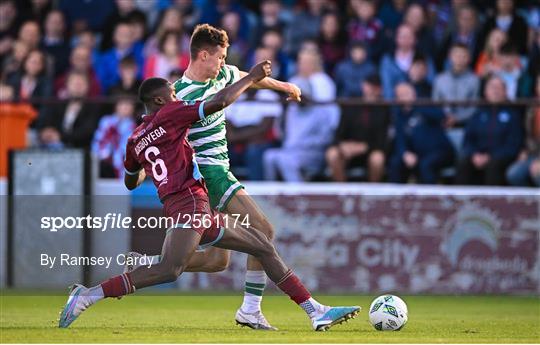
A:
x: 210, y: 319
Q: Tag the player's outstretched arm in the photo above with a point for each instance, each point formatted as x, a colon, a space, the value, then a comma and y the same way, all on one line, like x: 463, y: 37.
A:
x: 293, y: 91
x: 133, y: 181
x: 225, y: 97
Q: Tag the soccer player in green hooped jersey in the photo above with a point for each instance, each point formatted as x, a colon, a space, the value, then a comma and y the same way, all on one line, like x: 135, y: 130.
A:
x: 206, y: 74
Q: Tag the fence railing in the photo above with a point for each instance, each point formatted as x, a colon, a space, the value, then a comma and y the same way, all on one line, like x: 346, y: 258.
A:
x: 340, y: 101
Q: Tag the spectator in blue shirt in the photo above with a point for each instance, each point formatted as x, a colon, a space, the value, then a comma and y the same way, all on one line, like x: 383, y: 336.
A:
x: 107, y: 66
x: 86, y: 14
x: 421, y: 146
x: 353, y: 71
x: 493, y: 138
x: 394, y: 67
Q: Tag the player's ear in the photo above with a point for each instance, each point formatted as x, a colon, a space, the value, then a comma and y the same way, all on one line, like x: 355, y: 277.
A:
x: 159, y: 100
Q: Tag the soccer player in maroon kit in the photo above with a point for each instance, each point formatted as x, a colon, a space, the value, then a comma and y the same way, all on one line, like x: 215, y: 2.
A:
x: 158, y: 148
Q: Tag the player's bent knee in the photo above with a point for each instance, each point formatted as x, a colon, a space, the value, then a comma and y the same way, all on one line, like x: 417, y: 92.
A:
x: 263, y: 225
x: 170, y: 272
x: 267, y: 228
x: 264, y: 247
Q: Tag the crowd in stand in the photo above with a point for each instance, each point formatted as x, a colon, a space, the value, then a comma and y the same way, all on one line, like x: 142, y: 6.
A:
x: 80, y: 51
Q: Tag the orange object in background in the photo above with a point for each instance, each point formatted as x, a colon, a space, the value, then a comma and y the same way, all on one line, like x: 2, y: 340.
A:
x: 14, y: 122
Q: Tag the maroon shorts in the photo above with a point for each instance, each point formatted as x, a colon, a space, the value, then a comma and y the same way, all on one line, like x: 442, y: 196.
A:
x: 191, y: 210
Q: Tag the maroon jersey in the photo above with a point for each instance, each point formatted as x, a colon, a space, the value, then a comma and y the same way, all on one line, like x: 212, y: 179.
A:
x: 159, y: 146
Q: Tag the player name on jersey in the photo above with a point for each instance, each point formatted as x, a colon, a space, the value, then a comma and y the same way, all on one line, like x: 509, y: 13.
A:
x: 149, y: 138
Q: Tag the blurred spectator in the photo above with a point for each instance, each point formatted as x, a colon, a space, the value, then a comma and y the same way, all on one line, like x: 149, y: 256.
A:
x: 310, y: 46
x: 129, y: 81
x: 140, y: 29
x: 440, y: 15
x: 125, y: 11
x: 269, y: 19
x: 70, y: 123
x: 304, y: 25
x: 238, y: 46
x: 81, y: 62
x: 168, y: 57
x: 394, y: 68
x: 151, y: 9
x: 391, y: 14
x: 534, y: 56
x: 107, y: 66
x: 9, y: 25
x: 488, y: 60
x: 39, y: 10
x: 493, y: 138
x: 88, y: 39
x: 416, y: 18
x: 465, y: 33
x: 31, y: 81
x: 458, y: 84
x: 267, y: 53
x: 517, y: 83
x: 305, y: 138
x: 214, y: 13
x: 507, y: 20
x: 86, y: 14
x: 111, y: 136
x: 273, y: 39
x: 172, y: 20
x: 332, y: 41
x: 531, y: 12
x: 361, y: 136
x: 14, y: 61
x: 365, y: 27
x: 54, y: 41
x: 351, y: 72
x: 191, y: 12
x: 421, y: 146
x: 30, y: 34
x: 526, y: 170
x: 250, y: 129
x: 418, y: 77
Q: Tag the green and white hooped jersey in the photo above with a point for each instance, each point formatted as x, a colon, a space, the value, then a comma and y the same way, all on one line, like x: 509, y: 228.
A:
x: 207, y: 136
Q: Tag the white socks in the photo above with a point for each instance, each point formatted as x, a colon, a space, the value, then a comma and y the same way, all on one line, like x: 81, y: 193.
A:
x: 94, y: 294
x: 312, y: 307
x: 253, y: 291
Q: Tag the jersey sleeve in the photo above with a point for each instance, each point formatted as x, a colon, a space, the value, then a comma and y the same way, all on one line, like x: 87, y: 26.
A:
x: 184, y: 113
x: 232, y: 73
x: 131, y: 165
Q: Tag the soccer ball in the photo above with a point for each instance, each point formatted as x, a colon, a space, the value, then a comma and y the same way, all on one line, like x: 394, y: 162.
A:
x: 388, y: 313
